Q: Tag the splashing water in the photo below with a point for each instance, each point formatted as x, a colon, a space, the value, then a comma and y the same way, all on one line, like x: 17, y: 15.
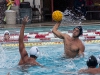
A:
x: 6, y: 61
x: 71, y: 18
x: 2, y: 57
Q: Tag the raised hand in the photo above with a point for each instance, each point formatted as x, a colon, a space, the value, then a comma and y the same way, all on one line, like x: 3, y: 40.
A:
x: 25, y: 20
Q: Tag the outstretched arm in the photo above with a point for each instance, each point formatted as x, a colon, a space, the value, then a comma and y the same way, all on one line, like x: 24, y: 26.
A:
x: 56, y: 32
x: 22, y: 50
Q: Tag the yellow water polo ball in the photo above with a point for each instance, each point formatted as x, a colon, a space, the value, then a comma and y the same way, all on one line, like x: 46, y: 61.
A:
x: 57, y: 15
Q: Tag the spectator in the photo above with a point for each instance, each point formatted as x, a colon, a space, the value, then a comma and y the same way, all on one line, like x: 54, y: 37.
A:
x: 89, y: 2
x: 79, y: 7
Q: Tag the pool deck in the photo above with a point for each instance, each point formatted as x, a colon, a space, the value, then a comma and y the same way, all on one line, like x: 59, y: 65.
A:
x: 86, y: 22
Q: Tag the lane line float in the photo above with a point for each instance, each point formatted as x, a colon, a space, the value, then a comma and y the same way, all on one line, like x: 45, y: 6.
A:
x: 32, y: 44
x: 44, y: 43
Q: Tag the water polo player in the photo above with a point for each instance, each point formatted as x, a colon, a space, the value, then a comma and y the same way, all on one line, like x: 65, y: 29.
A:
x: 73, y: 46
x: 92, y: 63
x: 34, y: 51
x: 6, y: 36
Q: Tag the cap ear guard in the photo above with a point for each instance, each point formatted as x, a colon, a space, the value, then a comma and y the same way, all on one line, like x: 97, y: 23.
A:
x: 98, y: 59
x: 37, y: 54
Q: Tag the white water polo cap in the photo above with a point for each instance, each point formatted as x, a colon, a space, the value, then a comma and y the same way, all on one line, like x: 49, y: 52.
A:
x: 34, y: 51
x: 98, y: 59
x: 6, y: 31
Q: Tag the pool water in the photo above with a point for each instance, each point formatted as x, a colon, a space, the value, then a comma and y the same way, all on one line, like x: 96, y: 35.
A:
x: 50, y: 57
x: 48, y: 29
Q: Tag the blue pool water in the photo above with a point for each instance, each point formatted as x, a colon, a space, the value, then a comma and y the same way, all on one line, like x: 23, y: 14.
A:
x: 50, y: 57
x: 45, y: 29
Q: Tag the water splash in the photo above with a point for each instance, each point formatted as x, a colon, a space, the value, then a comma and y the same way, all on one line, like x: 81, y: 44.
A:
x: 71, y: 18
x: 2, y: 57
x: 6, y: 60
x: 71, y: 65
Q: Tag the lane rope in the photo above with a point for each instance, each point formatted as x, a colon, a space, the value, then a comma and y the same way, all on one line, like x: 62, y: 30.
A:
x: 44, y: 43
x: 32, y: 44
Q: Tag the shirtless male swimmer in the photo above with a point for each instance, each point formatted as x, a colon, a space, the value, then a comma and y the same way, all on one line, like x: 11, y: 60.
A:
x: 73, y: 46
x: 34, y: 52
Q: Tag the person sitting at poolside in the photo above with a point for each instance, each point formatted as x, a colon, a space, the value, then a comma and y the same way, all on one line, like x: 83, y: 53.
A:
x: 6, y: 36
x: 92, y: 64
x: 73, y: 46
x: 34, y: 51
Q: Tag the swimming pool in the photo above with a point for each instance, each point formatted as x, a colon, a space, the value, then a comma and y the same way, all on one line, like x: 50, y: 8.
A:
x: 50, y: 57
x: 44, y: 28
